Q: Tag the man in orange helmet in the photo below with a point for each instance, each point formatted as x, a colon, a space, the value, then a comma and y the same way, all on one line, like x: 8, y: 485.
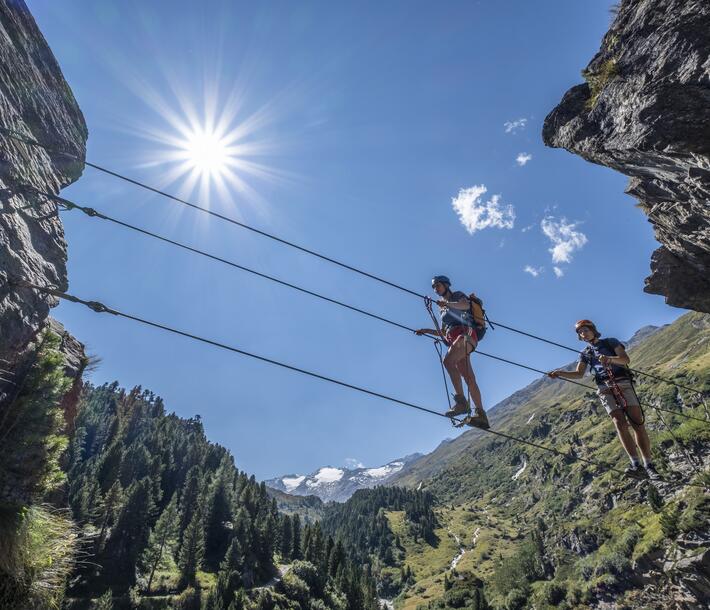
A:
x: 608, y: 362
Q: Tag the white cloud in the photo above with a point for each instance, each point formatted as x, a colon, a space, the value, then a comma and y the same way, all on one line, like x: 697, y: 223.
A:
x: 558, y: 272
x: 353, y: 463
x: 523, y: 158
x: 476, y: 214
x: 534, y: 271
x: 564, y: 237
x: 526, y: 229
x: 514, y: 126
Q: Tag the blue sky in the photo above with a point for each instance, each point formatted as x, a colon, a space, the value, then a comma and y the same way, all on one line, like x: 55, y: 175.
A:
x: 361, y: 125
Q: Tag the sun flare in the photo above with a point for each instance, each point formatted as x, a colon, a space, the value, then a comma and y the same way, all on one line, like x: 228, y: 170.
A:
x: 207, y: 149
x: 207, y: 152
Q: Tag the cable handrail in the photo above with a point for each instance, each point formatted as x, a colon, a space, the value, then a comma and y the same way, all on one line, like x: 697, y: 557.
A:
x: 32, y: 142
x: 99, y: 307
x: 93, y: 213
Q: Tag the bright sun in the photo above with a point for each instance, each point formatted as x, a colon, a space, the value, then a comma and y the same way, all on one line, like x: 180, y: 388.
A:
x: 207, y: 152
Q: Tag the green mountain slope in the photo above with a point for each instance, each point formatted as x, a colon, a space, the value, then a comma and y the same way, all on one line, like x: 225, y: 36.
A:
x: 542, y: 530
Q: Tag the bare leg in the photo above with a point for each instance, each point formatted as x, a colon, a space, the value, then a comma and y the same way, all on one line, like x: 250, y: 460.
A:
x: 622, y: 429
x: 466, y: 371
x: 642, y: 440
x: 456, y: 352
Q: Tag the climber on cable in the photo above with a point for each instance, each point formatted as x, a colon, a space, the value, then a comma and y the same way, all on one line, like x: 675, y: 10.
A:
x: 462, y: 325
x: 608, y: 362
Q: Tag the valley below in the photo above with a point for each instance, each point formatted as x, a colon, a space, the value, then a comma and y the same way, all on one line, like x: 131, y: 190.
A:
x: 111, y: 501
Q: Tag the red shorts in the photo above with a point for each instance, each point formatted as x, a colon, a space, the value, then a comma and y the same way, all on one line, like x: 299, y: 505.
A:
x: 456, y: 331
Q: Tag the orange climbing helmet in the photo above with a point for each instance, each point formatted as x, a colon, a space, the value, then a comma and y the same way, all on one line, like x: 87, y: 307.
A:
x: 588, y: 324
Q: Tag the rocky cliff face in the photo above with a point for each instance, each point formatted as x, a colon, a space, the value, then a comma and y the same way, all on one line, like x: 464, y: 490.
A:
x: 645, y: 111
x: 35, y: 102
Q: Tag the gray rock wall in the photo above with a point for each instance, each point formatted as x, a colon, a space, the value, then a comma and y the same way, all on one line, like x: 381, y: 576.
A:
x: 645, y: 111
x: 36, y: 102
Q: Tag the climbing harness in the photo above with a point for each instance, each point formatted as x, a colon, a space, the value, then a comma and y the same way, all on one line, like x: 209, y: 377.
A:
x: 619, y: 397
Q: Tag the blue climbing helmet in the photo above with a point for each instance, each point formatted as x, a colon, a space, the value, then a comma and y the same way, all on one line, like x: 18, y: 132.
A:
x: 440, y: 279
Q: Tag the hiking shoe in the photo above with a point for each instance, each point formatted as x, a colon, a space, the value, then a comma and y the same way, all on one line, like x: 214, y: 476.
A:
x: 460, y: 407
x: 479, y: 420
x: 652, y: 472
x: 635, y: 471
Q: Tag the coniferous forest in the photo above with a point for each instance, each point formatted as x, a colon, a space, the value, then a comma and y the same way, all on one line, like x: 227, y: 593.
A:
x: 163, y: 512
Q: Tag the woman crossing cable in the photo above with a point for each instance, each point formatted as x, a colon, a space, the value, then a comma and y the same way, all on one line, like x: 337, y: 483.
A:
x: 461, y: 331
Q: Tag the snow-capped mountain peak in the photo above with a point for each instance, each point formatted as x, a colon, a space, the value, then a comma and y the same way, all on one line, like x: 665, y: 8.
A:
x: 324, y: 476
x: 338, y: 484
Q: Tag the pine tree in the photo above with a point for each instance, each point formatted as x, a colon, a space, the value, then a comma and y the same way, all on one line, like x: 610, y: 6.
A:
x: 192, y: 550
x: 296, y: 543
x: 286, y: 538
x: 218, y: 512
x: 447, y: 582
x: 221, y: 596
x: 130, y: 534
x: 135, y: 464
x: 162, y: 539
x: 336, y: 559
x: 109, y: 466
x: 108, y: 511
x: 189, y: 498
x: 234, y: 558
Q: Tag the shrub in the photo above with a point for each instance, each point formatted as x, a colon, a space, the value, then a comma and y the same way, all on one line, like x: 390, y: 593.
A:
x: 669, y: 521
x: 31, y: 429
x: 695, y: 515
x: 105, y: 602
x: 654, y: 499
x: 598, y: 79
x: 612, y: 563
x: 295, y: 588
x: 517, y: 599
x: 37, y: 547
x: 628, y: 540
x: 552, y: 593
x: 189, y: 599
